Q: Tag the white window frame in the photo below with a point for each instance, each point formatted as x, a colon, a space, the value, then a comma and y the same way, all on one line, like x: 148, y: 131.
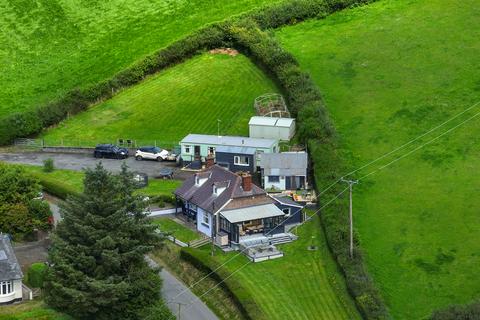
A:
x: 188, y: 149
x: 206, y: 219
x: 6, y: 288
x: 236, y: 161
x: 211, y: 151
x: 287, y: 212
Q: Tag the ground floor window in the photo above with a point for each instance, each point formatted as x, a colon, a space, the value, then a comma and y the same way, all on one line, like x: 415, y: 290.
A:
x: 273, y: 178
x: 6, y: 287
x: 206, y: 218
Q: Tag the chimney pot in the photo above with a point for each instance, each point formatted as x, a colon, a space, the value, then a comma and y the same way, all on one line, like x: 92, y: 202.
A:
x: 210, y: 161
x: 246, y: 181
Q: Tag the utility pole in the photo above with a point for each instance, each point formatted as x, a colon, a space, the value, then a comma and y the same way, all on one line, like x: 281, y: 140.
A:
x: 350, y: 185
x: 179, y: 309
x: 218, y: 127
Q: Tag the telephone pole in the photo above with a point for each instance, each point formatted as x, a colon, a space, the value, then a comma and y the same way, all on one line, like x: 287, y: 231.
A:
x: 350, y: 185
x: 180, y: 305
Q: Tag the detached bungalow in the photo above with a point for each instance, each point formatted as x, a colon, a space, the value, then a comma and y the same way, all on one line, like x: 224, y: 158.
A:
x: 230, y: 208
x: 199, y: 146
x: 284, y: 171
x: 10, y: 273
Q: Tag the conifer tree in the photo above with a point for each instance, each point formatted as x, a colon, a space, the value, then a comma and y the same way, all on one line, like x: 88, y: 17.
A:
x: 98, y: 270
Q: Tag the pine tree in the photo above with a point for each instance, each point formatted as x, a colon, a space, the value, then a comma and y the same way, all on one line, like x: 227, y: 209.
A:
x: 98, y: 270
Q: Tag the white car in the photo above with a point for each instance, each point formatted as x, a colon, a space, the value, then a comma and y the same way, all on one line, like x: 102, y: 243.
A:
x: 152, y: 153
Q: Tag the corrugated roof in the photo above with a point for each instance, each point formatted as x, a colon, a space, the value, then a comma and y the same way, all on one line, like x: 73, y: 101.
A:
x: 271, y: 121
x: 263, y: 121
x: 285, y: 122
x: 229, y: 141
x: 9, y: 267
x: 238, y: 150
x: 252, y: 213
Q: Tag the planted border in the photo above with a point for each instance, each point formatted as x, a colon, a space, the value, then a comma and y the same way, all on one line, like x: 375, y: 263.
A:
x: 246, y: 33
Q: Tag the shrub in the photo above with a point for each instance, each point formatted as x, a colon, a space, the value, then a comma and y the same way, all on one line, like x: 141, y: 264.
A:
x: 48, y: 165
x: 55, y: 187
x: 36, y: 274
x: 468, y: 312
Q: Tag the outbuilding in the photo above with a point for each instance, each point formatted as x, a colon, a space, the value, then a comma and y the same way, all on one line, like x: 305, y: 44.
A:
x: 271, y: 128
x: 284, y: 171
x: 10, y: 273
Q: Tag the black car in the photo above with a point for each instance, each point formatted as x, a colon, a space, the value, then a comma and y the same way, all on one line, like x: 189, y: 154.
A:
x: 110, y: 151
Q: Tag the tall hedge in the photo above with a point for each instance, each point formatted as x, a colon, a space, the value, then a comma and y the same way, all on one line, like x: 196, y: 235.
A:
x: 247, y: 33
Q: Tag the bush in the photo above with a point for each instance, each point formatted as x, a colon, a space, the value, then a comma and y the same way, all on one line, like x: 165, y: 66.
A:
x: 468, y: 312
x: 55, y: 187
x: 36, y: 275
x: 48, y: 165
x: 242, y: 297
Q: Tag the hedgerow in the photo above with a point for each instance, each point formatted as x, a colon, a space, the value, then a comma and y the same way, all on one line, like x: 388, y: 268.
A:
x: 247, y: 33
x: 242, y: 297
x: 468, y: 312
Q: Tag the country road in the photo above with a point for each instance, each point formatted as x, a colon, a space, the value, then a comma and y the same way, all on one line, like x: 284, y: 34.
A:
x: 79, y: 162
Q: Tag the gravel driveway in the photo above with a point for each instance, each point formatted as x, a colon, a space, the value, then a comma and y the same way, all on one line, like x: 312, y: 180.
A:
x: 80, y: 161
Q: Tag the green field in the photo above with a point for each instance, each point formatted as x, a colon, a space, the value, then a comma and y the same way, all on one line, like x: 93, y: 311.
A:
x: 74, y: 181
x: 177, y: 230
x: 30, y: 310
x: 50, y: 47
x: 301, y: 285
x: 188, y: 98
x: 391, y: 71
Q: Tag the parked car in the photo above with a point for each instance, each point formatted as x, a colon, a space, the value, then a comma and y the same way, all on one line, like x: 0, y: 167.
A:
x: 173, y: 155
x: 110, y: 151
x: 152, y: 153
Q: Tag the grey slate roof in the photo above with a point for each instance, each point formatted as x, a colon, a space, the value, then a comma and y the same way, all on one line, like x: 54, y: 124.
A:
x: 228, y: 141
x: 203, y: 195
x: 236, y: 150
x: 9, y: 267
x: 284, y: 164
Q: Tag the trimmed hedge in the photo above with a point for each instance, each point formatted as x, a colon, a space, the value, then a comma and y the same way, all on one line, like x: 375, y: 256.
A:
x: 238, y: 293
x: 54, y: 187
x: 36, y: 275
x: 468, y: 312
x: 245, y: 33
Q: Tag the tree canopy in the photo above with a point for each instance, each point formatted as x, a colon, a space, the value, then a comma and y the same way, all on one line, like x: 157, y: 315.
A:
x: 20, y: 212
x: 98, y: 268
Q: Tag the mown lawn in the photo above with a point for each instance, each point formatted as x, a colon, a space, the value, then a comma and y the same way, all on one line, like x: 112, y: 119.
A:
x: 30, y: 310
x: 74, y: 180
x: 303, y: 284
x: 391, y: 71
x: 188, y: 98
x: 50, y: 47
x: 177, y: 230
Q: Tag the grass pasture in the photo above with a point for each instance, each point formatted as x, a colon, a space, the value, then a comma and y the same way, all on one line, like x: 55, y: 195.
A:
x: 51, y: 47
x: 187, y: 98
x: 389, y: 72
x: 30, y: 310
x: 301, y: 285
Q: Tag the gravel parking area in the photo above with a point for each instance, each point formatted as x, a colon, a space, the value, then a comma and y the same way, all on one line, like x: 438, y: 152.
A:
x: 81, y: 161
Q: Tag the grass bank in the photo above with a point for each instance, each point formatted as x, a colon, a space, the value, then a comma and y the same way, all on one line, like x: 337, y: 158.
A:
x: 35, y: 309
x: 389, y: 72
x: 187, y: 98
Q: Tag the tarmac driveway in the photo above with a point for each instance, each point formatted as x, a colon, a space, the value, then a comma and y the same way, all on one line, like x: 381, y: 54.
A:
x: 81, y: 161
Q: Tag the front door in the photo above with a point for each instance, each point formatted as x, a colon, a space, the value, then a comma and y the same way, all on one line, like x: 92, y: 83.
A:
x: 196, y: 152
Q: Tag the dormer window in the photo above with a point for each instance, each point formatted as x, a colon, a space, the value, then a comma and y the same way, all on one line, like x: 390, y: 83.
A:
x: 200, y: 179
x: 215, y: 189
x: 197, y: 181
